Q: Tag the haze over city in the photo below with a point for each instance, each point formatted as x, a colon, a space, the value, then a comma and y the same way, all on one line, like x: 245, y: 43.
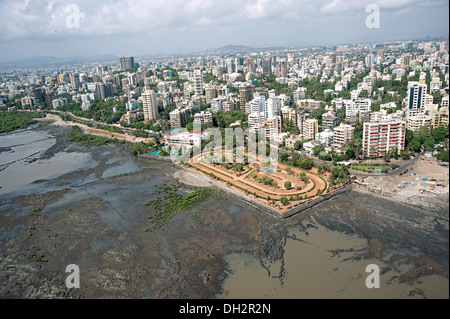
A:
x: 41, y: 27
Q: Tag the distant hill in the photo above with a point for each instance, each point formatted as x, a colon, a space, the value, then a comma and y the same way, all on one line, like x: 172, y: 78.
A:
x: 244, y: 48
x: 47, y: 61
x: 233, y: 47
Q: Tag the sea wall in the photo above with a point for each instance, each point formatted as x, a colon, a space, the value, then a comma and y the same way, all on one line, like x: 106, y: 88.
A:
x: 255, y: 202
x: 316, y: 201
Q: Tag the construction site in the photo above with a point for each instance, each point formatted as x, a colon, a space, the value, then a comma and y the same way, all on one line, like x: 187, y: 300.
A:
x: 424, y: 183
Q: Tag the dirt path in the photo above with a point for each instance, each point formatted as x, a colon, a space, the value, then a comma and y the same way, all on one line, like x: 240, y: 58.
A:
x: 89, y: 130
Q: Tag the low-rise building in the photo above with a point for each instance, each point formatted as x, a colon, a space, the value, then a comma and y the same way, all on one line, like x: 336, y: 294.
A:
x: 342, y: 134
x: 203, y: 118
x: 414, y: 123
x: 325, y: 138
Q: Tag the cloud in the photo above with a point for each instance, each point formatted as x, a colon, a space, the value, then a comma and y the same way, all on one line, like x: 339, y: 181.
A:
x: 347, y: 6
x: 48, y: 18
x: 29, y: 18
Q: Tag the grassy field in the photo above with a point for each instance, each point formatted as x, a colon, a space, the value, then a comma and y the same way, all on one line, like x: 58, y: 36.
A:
x: 372, y: 168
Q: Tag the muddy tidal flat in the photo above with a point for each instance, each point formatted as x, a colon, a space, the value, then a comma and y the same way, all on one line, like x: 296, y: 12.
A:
x: 62, y: 203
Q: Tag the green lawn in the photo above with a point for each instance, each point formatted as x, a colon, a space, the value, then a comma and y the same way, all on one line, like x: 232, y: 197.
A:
x: 371, y: 168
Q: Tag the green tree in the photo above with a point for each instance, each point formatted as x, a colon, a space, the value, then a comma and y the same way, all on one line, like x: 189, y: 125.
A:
x: 317, y: 150
x: 440, y: 134
x: 284, y: 201
x: 284, y: 157
x: 442, y: 154
x: 414, y: 144
x: 405, y: 155
x: 428, y: 144
x: 287, y: 184
x: 298, y: 145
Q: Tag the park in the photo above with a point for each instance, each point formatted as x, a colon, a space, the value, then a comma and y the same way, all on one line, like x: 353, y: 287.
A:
x: 282, y: 189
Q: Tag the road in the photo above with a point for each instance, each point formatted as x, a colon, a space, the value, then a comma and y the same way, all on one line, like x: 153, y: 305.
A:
x: 125, y: 130
x: 403, y: 165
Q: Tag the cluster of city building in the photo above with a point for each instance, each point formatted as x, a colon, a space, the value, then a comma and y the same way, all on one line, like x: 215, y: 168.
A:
x: 272, y: 88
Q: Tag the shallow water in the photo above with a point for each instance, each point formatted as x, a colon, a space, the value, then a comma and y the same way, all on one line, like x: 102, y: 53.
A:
x: 311, y: 271
x: 21, y: 166
x: 309, y: 268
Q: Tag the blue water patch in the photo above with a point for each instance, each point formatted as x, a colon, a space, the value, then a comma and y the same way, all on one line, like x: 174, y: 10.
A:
x: 154, y: 153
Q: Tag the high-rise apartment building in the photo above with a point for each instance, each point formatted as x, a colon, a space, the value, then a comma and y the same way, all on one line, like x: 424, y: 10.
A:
x: 178, y: 118
x: 310, y: 129
x: 245, y: 95
x: 440, y: 117
x: 210, y: 93
x: 104, y: 90
x: 127, y: 63
x: 416, y: 98
x: 289, y: 114
x: 359, y: 106
x: 258, y: 105
x: 198, y: 82
x: 273, y: 107
x: 282, y: 68
x: 383, y: 136
x: 414, y: 123
x: 369, y: 60
x: 267, y: 67
x: 329, y: 120
x: 272, y: 128
x: 250, y: 65
x: 302, y: 116
x: 150, y: 105
x: 203, y: 118
x: 75, y: 81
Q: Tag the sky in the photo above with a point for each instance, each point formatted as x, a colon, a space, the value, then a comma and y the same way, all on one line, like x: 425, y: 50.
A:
x: 65, y: 28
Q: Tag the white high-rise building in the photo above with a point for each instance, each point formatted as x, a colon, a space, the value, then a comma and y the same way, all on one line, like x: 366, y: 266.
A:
x: 273, y: 128
x: 369, y: 60
x: 150, y: 105
x: 198, y: 82
x: 358, y: 106
x: 254, y: 122
x: 416, y: 98
x: 273, y: 106
x: 258, y: 104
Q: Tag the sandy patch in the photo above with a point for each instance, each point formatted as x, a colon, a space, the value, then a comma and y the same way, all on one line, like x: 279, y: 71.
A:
x: 192, y: 179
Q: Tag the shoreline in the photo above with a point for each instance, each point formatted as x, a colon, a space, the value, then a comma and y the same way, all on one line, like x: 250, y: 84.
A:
x: 271, y: 211
x: 428, y: 202
x: 72, y: 224
x: 93, y: 131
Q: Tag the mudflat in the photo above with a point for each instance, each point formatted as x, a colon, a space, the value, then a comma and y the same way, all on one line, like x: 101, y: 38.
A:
x: 96, y: 217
